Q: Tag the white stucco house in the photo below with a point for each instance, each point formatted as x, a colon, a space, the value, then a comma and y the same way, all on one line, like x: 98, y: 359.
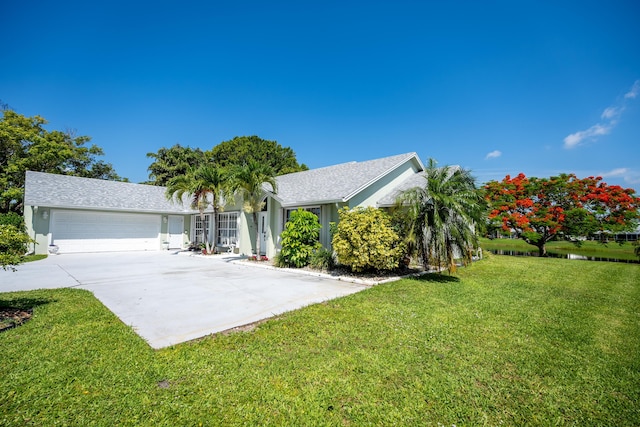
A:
x: 91, y: 215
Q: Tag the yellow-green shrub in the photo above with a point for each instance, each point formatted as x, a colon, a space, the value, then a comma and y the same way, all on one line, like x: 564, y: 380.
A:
x: 365, y: 240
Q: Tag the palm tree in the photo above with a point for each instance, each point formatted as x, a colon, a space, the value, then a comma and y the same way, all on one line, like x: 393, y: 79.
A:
x: 247, y: 181
x: 444, y: 215
x: 206, y: 186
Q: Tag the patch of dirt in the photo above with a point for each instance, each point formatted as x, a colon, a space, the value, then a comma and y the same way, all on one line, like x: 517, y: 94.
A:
x: 345, y: 272
x: 368, y: 276
x: 12, y: 317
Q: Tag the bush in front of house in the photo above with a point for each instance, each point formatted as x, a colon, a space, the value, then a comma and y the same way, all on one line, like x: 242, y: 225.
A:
x: 364, y: 239
x: 13, y: 246
x: 299, y: 239
x: 322, y: 259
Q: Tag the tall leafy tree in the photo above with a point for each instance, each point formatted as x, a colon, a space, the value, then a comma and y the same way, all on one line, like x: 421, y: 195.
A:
x: 25, y: 144
x: 205, y: 186
x: 299, y: 239
x: 444, y: 215
x: 173, y: 161
x: 241, y: 149
x: 248, y: 181
x: 539, y: 209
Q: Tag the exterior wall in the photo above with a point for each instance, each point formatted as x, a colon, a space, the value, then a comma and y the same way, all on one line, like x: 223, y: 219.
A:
x: 38, y: 227
x: 186, y: 232
x: 275, y: 222
x: 247, y: 232
x: 276, y: 215
x: 330, y: 214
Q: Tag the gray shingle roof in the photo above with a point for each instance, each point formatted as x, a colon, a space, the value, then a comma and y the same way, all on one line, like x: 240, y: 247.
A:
x: 46, y: 189
x: 330, y: 184
x: 337, y: 183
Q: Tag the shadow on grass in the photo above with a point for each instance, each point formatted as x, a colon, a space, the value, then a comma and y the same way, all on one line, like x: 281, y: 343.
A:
x: 23, y: 303
x: 436, y: 278
x: 15, y: 311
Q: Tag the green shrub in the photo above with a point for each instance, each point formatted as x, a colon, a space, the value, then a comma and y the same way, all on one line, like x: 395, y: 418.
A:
x: 322, y: 259
x: 279, y: 262
x: 13, y: 246
x: 12, y: 218
x: 365, y: 240
x: 299, y: 239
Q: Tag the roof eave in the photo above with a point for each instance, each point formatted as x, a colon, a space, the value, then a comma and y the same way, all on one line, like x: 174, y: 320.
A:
x: 311, y: 202
x: 114, y: 209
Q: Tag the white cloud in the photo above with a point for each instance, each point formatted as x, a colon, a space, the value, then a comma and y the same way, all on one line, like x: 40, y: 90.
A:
x: 611, y: 112
x: 633, y: 92
x: 614, y: 172
x: 576, y: 139
x: 609, y: 115
x: 624, y: 176
x: 494, y: 154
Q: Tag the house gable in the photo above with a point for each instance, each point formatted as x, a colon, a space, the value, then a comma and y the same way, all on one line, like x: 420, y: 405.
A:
x: 341, y: 183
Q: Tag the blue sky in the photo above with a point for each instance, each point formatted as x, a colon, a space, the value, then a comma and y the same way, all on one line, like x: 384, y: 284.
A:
x: 499, y: 87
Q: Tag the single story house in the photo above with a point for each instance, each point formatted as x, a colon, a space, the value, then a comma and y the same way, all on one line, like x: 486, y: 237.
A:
x: 91, y: 215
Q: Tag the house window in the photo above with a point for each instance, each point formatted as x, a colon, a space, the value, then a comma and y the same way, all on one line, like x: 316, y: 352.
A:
x: 314, y: 210
x: 227, y: 229
x: 200, y: 226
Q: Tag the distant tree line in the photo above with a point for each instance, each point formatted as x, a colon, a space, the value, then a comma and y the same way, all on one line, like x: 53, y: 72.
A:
x: 241, y: 150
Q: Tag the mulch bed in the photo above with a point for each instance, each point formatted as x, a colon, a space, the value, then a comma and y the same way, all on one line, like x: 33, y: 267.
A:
x: 12, y: 317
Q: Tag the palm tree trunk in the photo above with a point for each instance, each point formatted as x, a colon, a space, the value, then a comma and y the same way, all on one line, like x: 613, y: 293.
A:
x: 213, y: 228
x: 255, y: 224
x: 205, y: 233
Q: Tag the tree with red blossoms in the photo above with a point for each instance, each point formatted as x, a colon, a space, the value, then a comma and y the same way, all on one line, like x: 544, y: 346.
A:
x: 539, y: 209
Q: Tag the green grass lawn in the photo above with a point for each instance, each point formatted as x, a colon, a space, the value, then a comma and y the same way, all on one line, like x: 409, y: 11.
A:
x: 34, y: 257
x: 588, y: 248
x: 507, y: 341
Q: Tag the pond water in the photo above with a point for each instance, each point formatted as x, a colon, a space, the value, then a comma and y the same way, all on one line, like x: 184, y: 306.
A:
x: 565, y: 256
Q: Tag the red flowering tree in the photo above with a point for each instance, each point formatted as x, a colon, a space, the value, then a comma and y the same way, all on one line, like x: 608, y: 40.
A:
x: 538, y: 209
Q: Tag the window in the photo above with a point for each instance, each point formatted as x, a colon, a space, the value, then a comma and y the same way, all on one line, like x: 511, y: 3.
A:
x: 199, y: 229
x: 314, y: 210
x: 227, y: 229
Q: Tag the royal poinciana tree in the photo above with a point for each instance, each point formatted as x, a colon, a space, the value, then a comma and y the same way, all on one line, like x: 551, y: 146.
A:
x: 539, y: 209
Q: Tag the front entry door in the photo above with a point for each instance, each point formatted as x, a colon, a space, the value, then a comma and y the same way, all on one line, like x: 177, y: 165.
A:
x: 262, y: 230
x: 176, y: 224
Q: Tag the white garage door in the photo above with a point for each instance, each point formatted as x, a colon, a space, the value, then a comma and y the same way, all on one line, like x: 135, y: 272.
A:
x: 85, y: 231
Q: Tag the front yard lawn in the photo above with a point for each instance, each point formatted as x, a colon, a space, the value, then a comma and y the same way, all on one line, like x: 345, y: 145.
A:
x: 507, y: 341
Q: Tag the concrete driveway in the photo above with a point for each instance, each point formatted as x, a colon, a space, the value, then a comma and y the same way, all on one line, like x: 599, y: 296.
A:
x: 169, y: 298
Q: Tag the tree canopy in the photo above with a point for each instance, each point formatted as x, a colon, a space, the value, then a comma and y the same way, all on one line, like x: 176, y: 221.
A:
x: 539, y: 209
x: 242, y: 149
x: 175, y: 161
x: 26, y: 145
x: 172, y: 162
x: 207, y: 186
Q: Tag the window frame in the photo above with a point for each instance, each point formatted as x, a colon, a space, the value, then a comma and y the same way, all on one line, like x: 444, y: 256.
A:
x: 228, y: 225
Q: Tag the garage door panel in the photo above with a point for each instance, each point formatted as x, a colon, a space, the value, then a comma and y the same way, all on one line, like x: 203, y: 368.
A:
x: 85, y: 231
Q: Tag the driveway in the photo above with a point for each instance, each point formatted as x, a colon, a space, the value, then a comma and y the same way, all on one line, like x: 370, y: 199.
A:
x: 169, y: 298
